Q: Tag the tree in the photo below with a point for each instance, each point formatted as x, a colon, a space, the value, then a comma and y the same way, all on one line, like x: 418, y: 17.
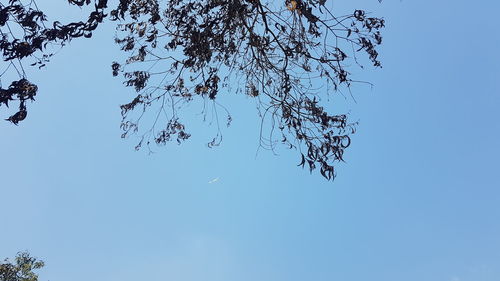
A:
x: 22, y: 270
x: 287, y: 55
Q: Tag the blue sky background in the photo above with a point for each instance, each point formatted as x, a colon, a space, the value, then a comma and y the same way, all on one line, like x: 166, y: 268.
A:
x: 418, y: 198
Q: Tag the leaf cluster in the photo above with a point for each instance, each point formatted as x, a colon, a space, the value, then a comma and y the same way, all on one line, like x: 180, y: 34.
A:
x: 23, y: 269
x: 288, y: 56
x: 24, y: 34
x: 281, y: 54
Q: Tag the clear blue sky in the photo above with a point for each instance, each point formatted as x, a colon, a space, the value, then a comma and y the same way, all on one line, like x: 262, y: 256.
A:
x: 418, y: 198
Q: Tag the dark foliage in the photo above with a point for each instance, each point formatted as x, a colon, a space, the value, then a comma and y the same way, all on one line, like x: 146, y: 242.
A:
x: 24, y: 34
x: 21, y: 270
x: 288, y: 55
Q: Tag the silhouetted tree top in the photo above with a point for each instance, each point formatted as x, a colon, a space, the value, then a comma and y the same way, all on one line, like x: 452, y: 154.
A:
x: 22, y: 269
x: 289, y: 56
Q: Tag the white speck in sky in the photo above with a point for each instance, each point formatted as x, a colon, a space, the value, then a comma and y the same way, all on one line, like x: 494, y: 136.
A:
x: 214, y: 180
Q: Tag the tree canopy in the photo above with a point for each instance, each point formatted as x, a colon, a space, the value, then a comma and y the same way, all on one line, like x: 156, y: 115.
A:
x: 23, y: 269
x: 288, y: 55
